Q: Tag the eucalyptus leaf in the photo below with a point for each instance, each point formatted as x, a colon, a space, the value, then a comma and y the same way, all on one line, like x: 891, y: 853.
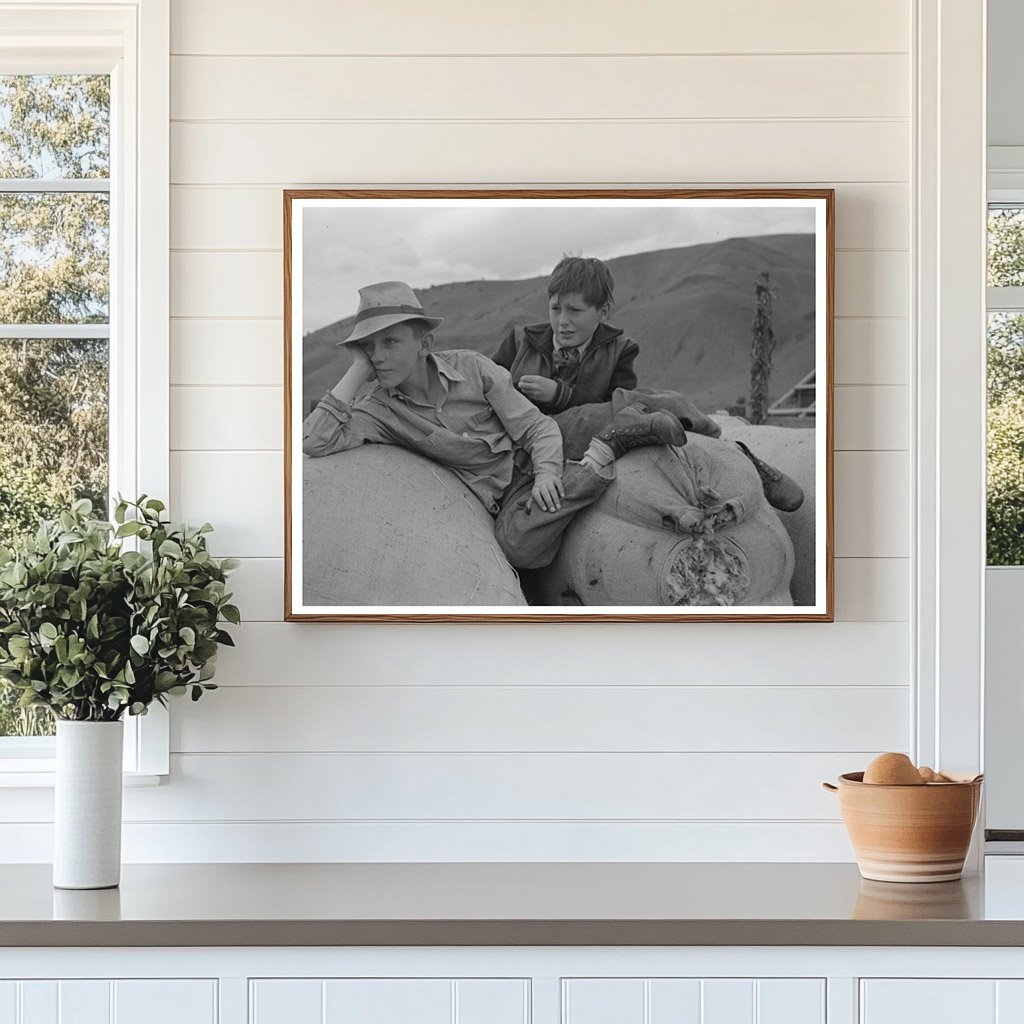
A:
x: 93, y: 631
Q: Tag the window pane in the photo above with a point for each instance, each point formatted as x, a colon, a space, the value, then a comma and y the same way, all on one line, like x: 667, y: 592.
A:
x: 54, y: 258
x: 53, y: 449
x: 54, y: 126
x: 1006, y: 439
x: 1005, y: 246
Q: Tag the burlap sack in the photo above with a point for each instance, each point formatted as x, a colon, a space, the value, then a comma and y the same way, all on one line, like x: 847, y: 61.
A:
x: 656, y: 537
x: 384, y: 526
x: 790, y: 449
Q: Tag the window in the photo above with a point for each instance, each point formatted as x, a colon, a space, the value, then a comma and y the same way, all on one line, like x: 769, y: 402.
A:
x: 1005, y: 478
x: 84, y: 124
x: 54, y: 309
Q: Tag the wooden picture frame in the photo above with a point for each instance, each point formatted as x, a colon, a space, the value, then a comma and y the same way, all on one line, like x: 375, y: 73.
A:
x: 399, y: 531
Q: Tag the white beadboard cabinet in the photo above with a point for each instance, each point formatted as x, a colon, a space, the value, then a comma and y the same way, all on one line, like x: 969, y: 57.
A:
x: 693, y: 1001
x: 109, y: 1001
x: 513, y: 985
x: 952, y: 1001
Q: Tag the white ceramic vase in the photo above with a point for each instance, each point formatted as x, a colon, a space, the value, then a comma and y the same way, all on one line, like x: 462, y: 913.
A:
x: 87, y: 805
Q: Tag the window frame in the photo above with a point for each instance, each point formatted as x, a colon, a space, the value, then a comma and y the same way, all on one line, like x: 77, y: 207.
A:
x: 130, y: 41
x: 1003, y: 717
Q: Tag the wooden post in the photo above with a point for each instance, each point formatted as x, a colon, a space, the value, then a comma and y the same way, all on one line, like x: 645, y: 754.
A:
x: 761, y: 352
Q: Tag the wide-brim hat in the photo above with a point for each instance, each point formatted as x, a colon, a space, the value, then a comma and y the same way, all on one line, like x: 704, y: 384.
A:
x: 384, y: 305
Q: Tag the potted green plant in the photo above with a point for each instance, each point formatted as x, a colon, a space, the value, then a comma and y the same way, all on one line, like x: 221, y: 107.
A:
x: 92, y: 631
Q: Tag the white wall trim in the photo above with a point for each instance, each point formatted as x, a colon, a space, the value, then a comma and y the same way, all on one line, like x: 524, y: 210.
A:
x: 949, y: 447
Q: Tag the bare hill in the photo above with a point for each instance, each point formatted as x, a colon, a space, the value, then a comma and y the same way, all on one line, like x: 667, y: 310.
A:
x: 690, y: 309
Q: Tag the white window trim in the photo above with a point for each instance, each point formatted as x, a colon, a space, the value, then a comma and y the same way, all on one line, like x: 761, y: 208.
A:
x: 949, y: 442
x: 130, y: 40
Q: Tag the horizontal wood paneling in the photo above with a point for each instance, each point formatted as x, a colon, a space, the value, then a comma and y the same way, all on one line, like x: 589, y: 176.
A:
x: 867, y: 589
x: 872, y: 351
x: 717, y: 718
x: 538, y: 88
x: 872, y: 504
x: 156, y: 842
x: 871, y: 418
x: 872, y: 589
x: 206, y: 284
x: 868, y: 216
x: 251, y: 418
x: 227, y: 352
x: 731, y: 152
x: 258, y: 586
x: 212, y: 418
x: 872, y: 283
x: 233, y: 284
x: 626, y: 787
x: 463, y: 26
x: 278, y: 654
x: 726, y: 94
x: 239, y: 492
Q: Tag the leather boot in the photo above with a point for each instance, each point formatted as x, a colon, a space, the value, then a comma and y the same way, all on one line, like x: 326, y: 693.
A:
x: 632, y: 428
x: 679, y: 405
x: 782, y: 491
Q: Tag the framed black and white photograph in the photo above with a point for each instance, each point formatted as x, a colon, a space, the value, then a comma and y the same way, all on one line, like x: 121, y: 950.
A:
x: 565, y: 405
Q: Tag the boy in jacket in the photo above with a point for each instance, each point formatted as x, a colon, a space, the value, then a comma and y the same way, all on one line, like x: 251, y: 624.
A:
x: 579, y: 360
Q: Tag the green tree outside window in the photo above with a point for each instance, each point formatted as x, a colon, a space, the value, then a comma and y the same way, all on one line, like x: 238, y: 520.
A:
x: 54, y: 273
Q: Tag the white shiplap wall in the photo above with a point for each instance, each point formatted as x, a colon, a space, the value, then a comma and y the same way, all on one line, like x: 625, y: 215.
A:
x: 661, y: 741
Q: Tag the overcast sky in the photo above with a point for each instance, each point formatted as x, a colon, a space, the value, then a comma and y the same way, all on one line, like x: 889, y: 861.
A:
x: 346, y: 248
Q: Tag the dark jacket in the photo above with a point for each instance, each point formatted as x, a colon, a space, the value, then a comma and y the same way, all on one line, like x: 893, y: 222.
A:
x: 607, y: 364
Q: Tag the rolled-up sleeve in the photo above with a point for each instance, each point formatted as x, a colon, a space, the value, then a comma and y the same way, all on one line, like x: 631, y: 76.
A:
x: 333, y: 426
x: 525, y: 423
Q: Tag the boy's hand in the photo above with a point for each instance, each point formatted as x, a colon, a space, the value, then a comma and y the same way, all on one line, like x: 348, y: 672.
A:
x: 536, y: 388
x: 548, y: 492
x: 361, y: 363
x: 355, y: 377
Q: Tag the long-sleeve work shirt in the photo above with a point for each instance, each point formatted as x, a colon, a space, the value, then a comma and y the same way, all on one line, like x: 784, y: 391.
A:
x: 474, y: 428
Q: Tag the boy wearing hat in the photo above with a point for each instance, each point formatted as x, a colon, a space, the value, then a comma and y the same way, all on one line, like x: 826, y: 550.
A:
x: 460, y: 409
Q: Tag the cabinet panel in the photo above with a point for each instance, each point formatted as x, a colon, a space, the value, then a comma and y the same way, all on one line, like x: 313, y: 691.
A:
x: 165, y: 1002
x: 790, y: 1001
x: 492, y: 1001
x: 387, y: 1001
x: 674, y: 1001
x: 603, y: 1001
x: 285, y: 1001
x: 84, y: 1002
x: 8, y: 1002
x: 727, y: 1001
x: 693, y: 1001
x: 928, y: 999
x: 38, y: 1002
x: 1009, y: 1002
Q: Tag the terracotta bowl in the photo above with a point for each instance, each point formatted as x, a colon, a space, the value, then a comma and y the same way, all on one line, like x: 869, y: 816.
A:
x: 909, y: 833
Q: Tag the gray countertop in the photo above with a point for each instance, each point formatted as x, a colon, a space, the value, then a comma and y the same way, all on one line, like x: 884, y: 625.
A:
x: 505, y: 905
